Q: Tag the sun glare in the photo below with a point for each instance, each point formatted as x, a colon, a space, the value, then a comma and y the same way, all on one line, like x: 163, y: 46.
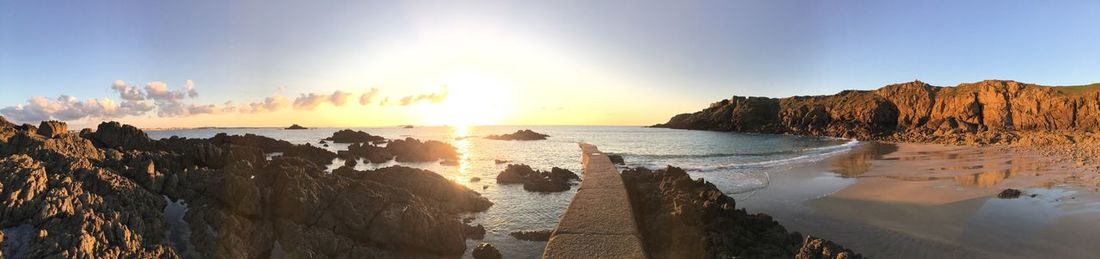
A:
x: 472, y: 100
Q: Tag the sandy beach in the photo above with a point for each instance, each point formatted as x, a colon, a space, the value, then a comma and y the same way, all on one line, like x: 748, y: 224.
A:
x: 925, y: 200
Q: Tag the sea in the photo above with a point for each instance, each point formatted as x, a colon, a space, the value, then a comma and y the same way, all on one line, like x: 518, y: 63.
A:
x: 938, y: 204
x: 731, y: 161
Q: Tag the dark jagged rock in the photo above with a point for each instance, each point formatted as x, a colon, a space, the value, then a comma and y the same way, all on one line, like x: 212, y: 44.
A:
x: 70, y: 198
x: 684, y: 218
x: 125, y: 137
x: 52, y: 129
x: 520, y: 135
x: 532, y: 235
x: 486, y: 251
x: 350, y: 136
x: 816, y: 248
x: 296, y: 127
x: 413, y: 150
x: 370, y: 152
x: 4, y: 123
x: 1009, y: 194
x: 556, y: 180
x: 992, y: 111
x: 616, y: 159
x: 475, y: 232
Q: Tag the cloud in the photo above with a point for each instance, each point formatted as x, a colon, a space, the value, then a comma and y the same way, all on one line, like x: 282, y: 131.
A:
x: 430, y: 97
x: 269, y: 104
x: 129, y: 93
x: 67, y: 108
x: 309, y: 101
x: 368, y: 96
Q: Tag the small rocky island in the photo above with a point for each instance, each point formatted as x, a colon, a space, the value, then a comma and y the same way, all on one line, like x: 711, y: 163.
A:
x: 520, y: 135
x: 555, y: 180
x: 296, y: 127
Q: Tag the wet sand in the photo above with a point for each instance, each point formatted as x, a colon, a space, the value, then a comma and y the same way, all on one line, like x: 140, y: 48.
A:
x: 935, y: 201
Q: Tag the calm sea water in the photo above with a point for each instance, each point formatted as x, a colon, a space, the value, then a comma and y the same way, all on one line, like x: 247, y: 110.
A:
x: 732, y: 161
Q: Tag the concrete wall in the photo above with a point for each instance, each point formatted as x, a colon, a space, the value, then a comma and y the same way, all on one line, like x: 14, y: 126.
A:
x: 599, y: 221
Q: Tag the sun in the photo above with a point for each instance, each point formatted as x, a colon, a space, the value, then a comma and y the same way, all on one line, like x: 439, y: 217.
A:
x: 472, y: 100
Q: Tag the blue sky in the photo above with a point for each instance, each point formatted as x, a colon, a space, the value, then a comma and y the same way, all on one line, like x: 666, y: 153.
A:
x: 685, y: 54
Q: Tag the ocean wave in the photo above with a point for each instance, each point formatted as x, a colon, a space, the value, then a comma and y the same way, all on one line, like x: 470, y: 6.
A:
x: 814, y: 154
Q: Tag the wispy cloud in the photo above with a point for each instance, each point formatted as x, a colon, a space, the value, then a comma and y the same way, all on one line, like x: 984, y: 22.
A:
x: 368, y: 96
x: 429, y: 97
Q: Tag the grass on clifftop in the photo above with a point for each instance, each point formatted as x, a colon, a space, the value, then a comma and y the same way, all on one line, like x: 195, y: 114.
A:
x: 1078, y: 89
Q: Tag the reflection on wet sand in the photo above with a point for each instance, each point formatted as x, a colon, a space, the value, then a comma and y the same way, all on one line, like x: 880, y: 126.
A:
x: 930, y: 201
x: 909, y: 173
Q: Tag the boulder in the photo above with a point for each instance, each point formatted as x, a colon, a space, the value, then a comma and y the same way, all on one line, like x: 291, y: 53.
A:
x: 51, y: 129
x: 556, y: 180
x: 1009, y: 194
x: 486, y: 251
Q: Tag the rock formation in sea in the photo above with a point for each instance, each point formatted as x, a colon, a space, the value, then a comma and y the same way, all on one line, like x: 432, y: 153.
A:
x: 684, y: 218
x: 992, y: 111
x: 296, y: 127
x: 556, y: 180
x: 115, y: 193
x: 520, y: 135
x: 352, y: 136
x: 532, y: 235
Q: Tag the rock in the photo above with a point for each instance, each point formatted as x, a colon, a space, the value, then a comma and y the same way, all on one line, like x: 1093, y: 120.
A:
x: 532, y: 235
x: 616, y: 159
x: 296, y: 127
x: 556, y: 180
x: 1009, y: 194
x: 125, y: 137
x: 370, y: 152
x: 986, y: 112
x: 474, y: 232
x: 683, y: 218
x: 407, y: 126
x: 475, y: 179
x: 520, y: 135
x: 51, y: 129
x: 350, y: 136
x: 486, y: 251
x: 4, y: 123
x: 816, y: 248
x: 449, y: 162
x: 413, y: 150
x: 115, y: 193
x: 498, y: 161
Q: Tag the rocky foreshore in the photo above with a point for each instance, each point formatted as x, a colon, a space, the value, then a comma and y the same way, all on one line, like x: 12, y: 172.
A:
x: 1054, y: 120
x: 114, y: 192
x: 684, y: 218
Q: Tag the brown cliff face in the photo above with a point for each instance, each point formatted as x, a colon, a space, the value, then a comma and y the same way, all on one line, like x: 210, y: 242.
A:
x: 991, y: 111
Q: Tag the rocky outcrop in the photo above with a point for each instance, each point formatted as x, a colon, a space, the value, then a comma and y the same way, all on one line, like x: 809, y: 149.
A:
x: 350, y: 136
x: 992, y: 111
x: 414, y: 150
x: 296, y: 127
x: 532, y: 235
x: 520, y: 135
x: 556, y: 180
x: 111, y: 193
x: 684, y: 218
x: 1009, y: 194
x: 52, y: 129
x: 486, y: 251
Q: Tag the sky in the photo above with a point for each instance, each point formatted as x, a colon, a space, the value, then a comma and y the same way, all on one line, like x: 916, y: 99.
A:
x: 360, y: 63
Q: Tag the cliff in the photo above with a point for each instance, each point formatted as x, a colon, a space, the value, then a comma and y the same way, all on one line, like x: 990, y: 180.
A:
x: 991, y: 111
